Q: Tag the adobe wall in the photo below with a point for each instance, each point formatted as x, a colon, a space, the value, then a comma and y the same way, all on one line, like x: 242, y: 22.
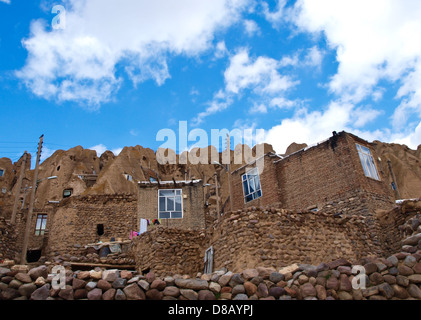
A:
x: 193, y: 205
x: 74, y: 224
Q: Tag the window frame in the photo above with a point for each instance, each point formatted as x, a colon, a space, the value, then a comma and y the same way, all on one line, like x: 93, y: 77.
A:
x: 171, y: 212
x: 254, y: 194
x: 367, y: 162
x: 40, y: 231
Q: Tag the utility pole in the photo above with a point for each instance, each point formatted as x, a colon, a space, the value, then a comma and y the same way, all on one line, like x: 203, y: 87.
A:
x: 228, y: 169
x: 31, y: 204
x: 18, y: 187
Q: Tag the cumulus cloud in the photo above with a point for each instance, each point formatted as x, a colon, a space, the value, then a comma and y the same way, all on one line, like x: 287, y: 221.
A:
x: 251, y: 27
x: 376, y: 42
x: 259, y: 76
x: 79, y: 62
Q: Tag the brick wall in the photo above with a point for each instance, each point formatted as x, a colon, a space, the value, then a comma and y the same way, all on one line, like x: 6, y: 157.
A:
x: 193, y: 205
x: 268, y: 181
x: 316, y: 177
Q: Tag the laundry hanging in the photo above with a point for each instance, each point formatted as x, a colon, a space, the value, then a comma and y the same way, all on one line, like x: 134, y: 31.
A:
x: 143, y: 226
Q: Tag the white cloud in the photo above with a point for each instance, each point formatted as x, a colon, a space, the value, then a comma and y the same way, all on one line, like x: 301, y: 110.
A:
x: 221, y: 50
x: 314, y: 57
x: 258, y: 75
x: 261, y: 75
x: 374, y: 40
x: 100, y: 149
x: 117, y: 151
x: 5, y: 1
x: 79, y: 62
x: 259, y: 108
x: 251, y: 27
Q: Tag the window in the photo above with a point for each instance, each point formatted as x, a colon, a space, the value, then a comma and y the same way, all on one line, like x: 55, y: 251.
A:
x: 100, y: 229
x: 1, y: 172
x: 170, y: 204
x: 67, y: 193
x: 367, y: 162
x: 251, y: 185
x: 128, y: 177
x: 153, y: 180
x: 41, y: 224
x: 3, y: 190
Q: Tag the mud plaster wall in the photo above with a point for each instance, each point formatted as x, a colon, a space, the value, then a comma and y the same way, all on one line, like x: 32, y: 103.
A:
x: 74, y: 224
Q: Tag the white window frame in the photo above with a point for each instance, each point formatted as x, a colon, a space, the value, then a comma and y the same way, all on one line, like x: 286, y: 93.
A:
x: 180, y: 195
x: 39, y: 226
x: 367, y: 162
x: 253, y: 172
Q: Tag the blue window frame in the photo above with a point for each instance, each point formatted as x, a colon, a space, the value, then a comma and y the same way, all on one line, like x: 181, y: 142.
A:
x: 251, y: 185
x: 1, y: 172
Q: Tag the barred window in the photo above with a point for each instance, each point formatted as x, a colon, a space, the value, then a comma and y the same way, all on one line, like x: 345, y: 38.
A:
x: 251, y: 185
x: 170, y: 204
x: 367, y: 162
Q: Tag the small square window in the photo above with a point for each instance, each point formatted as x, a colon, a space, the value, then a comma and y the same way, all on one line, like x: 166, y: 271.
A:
x: 67, y: 193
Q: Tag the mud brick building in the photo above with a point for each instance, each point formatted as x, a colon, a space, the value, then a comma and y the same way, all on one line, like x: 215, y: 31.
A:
x: 339, y: 175
x: 176, y: 204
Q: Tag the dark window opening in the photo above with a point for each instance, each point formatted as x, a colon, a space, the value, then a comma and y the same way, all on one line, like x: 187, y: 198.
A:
x: 100, y: 229
x: 67, y: 193
x: 33, y: 255
x: 1, y: 172
x: 58, y: 168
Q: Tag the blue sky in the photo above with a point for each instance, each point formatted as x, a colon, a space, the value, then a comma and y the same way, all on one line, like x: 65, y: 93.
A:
x: 111, y: 74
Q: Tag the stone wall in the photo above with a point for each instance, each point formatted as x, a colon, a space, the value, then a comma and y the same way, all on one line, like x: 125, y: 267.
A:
x: 396, y: 278
x: 193, y: 205
x: 8, y: 246
x: 74, y: 224
x: 278, y: 237
x: 170, y: 251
